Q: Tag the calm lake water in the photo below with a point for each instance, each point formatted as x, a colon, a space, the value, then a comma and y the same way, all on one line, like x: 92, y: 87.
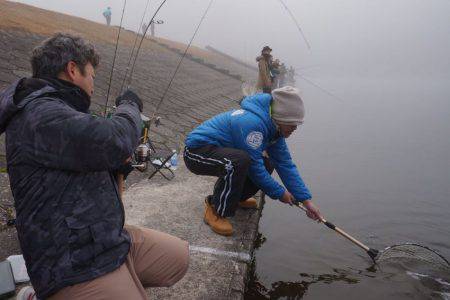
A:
x: 378, y: 165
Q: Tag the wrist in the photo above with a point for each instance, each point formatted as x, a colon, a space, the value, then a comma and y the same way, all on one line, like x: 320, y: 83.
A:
x: 306, y: 202
x: 130, y: 102
x: 281, y: 195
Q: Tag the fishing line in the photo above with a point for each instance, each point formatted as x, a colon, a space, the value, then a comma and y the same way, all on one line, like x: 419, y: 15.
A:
x: 114, y: 58
x: 296, y: 23
x: 309, y: 47
x: 184, y: 54
x: 319, y: 87
x: 134, y: 47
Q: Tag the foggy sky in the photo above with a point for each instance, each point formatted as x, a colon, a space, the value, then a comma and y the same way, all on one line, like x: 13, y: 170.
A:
x: 349, y: 38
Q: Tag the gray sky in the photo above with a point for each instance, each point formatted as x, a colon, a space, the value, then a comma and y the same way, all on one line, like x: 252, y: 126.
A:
x: 352, y: 38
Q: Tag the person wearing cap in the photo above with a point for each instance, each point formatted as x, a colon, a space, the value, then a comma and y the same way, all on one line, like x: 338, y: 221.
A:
x: 230, y: 146
x: 264, y: 83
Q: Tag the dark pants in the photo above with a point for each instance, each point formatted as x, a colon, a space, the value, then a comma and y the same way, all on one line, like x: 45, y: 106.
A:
x: 231, y: 166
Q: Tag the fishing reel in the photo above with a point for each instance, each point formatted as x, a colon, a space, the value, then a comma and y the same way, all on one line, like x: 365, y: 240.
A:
x: 141, y: 157
x: 143, y: 152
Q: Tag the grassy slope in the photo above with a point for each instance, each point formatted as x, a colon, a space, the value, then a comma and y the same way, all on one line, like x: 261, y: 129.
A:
x: 44, y: 22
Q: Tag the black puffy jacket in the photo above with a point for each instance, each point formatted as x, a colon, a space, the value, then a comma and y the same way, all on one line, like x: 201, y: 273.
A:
x: 60, y: 164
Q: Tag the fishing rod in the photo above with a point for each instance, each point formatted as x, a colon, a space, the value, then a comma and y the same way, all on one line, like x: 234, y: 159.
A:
x: 142, y: 39
x: 183, y: 56
x: 142, y: 151
x: 120, y: 177
x: 134, y: 47
x: 114, y: 58
x: 296, y: 23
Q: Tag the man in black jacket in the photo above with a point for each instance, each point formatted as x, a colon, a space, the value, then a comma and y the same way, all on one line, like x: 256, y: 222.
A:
x: 61, y: 165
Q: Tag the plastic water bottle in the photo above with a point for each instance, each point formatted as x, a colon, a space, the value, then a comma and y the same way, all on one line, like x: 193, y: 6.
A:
x: 174, y: 160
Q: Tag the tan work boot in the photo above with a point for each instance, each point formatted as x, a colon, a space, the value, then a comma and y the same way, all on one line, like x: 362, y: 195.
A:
x: 249, y: 203
x: 218, y: 224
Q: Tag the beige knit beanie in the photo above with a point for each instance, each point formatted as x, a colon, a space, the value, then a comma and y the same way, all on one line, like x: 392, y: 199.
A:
x: 287, y: 106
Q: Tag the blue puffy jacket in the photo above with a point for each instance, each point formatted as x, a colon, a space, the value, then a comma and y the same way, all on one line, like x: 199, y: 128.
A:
x: 252, y: 129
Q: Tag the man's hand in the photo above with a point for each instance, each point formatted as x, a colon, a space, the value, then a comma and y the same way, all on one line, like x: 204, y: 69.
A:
x: 129, y: 95
x: 125, y: 169
x: 287, y: 198
x: 312, y: 211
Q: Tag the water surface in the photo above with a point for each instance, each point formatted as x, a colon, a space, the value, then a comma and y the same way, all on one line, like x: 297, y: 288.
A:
x: 378, y: 165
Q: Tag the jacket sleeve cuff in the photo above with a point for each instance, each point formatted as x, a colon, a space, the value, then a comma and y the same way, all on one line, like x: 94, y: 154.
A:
x: 280, y: 193
x: 302, y: 200
x: 304, y: 197
x: 275, y: 193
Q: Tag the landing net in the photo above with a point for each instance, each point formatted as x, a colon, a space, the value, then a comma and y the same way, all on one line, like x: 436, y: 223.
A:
x: 411, y: 251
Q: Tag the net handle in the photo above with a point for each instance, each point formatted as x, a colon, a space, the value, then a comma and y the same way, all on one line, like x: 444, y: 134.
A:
x: 370, y: 251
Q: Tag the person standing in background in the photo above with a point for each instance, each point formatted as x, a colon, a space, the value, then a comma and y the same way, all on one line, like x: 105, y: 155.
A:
x: 264, y: 79
x: 107, y: 14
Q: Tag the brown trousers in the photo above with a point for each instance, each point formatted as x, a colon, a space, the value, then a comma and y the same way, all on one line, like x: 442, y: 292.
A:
x: 155, y: 259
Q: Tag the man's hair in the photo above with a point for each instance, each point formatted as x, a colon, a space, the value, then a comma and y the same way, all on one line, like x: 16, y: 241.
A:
x: 51, y: 57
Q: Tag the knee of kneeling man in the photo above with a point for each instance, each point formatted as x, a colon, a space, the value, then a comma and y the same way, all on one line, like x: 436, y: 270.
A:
x: 181, y: 266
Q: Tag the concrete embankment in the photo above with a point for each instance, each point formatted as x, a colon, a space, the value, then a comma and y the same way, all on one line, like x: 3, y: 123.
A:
x: 199, y: 91
x: 218, y: 265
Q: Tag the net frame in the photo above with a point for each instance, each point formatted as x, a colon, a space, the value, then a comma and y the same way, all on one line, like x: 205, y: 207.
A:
x: 413, y: 251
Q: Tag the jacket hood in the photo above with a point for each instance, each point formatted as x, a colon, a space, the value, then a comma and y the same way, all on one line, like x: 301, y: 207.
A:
x: 25, y: 90
x: 17, y: 96
x: 259, y: 104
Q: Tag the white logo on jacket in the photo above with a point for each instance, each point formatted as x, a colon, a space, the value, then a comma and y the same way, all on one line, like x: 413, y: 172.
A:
x: 237, y: 112
x: 255, y: 139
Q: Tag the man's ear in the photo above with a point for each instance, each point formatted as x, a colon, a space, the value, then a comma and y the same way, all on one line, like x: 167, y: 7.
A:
x: 71, y: 70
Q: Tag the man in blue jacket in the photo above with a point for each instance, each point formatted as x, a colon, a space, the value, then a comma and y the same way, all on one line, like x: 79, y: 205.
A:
x: 233, y: 146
